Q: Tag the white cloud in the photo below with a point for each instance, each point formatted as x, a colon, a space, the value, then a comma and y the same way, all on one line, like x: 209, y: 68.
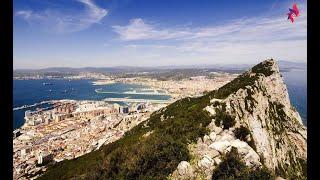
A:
x: 24, y: 14
x: 137, y: 29
x: 240, y: 29
x: 240, y: 40
x: 63, y: 22
x: 95, y: 14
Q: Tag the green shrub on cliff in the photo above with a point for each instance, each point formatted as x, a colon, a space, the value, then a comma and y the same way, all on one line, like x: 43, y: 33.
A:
x: 222, y: 118
x: 241, y: 133
x: 232, y: 167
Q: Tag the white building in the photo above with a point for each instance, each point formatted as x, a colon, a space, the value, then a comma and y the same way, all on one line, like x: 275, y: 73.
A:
x: 43, y: 157
x: 25, y: 151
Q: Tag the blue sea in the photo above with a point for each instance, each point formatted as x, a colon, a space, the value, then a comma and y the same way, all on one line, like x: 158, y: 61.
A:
x: 296, y: 81
x: 27, y: 92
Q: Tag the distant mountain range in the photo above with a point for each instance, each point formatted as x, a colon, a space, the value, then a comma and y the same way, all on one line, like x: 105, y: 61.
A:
x: 284, y: 66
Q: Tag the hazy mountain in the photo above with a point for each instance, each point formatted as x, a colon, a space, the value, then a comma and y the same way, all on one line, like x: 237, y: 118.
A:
x: 231, y: 68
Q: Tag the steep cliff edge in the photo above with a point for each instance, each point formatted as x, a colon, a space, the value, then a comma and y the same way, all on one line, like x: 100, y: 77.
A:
x: 276, y: 127
x: 253, y: 114
x: 247, y: 129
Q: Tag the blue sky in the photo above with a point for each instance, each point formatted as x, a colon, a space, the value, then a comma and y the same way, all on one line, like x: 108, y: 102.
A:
x: 96, y: 33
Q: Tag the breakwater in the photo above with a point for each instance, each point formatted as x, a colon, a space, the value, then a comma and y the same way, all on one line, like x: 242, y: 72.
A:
x: 32, y: 105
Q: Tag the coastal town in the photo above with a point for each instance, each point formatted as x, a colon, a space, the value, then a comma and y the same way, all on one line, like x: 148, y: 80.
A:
x: 68, y: 129
x: 192, y: 86
x: 71, y: 129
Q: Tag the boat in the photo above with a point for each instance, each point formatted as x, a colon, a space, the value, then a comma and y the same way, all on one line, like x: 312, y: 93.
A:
x: 98, y: 90
x: 45, y: 83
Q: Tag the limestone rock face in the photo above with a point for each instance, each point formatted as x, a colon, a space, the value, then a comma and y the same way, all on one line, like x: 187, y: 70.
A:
x: 278, y: 139
x: 213, y: 128
x: 276, y: 127
x: 246, y: 152
x: 213, y: 136
x: 184, y: 168
x: 225, y: 136
x: 220, y: 146
x: 206, y: 162
x: 184, y: 171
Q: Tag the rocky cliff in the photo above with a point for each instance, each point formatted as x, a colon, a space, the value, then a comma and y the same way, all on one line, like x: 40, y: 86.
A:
x: 246, y: 129
x: 253, y: 114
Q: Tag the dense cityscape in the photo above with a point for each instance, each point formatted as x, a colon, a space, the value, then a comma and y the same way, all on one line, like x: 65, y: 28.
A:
x: 71, y: 129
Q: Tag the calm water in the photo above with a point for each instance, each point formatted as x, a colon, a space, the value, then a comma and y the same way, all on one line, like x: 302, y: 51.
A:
x: 27, y: 92
x: 296, y: 82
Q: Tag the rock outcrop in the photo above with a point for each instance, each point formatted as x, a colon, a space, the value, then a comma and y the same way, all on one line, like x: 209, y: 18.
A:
x: 258, y: 102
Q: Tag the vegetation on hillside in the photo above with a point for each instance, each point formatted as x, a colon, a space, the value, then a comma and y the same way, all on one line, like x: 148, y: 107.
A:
x: 294, y: 169
x: 243, y: 133
x: 245, y: 79
x: 224, y: 119
x: 239, y: 82
x: 232, y: 168
x: 263, y: 68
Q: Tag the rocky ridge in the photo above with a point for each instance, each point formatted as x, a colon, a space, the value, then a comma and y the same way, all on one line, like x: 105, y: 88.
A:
x: 246, y: 129
x: 256, y: 102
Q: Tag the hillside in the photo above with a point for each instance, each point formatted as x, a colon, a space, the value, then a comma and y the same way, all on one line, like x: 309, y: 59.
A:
x: 246, y: 129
